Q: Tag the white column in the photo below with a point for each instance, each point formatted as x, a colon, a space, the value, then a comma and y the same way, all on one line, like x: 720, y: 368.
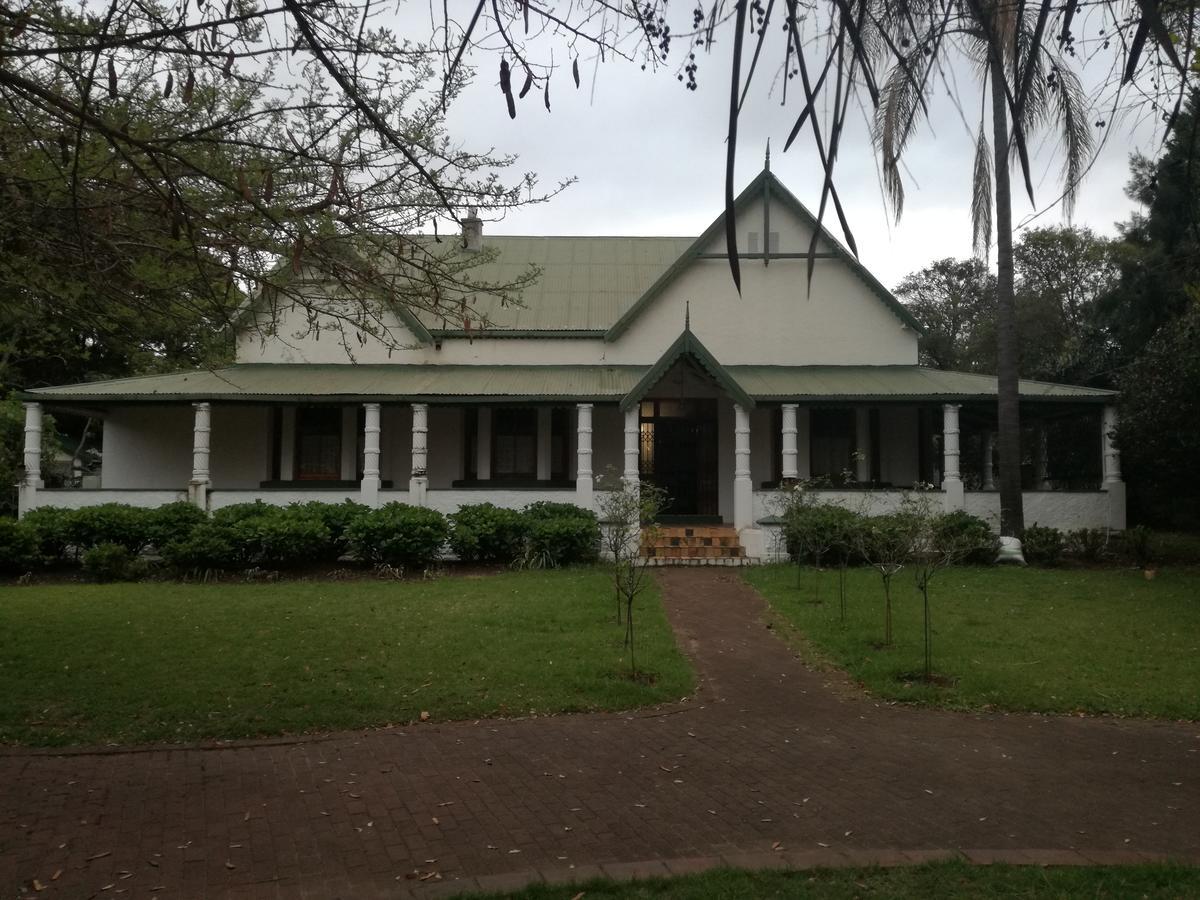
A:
x: 28, y: 488
x: 862, y: 436
x: 544, y: 418
x: 1042, y: 460
x: 632, y: 475
x: 989, y: 461
x: 951, y: 478
x: 418, y: 482
x: 1113, y: 484
x: 743, y: 488
x: 368, y: 488
x: 583, y: 455
x: 201, y: 443
x: 791, y: 470
x: 483, y: 444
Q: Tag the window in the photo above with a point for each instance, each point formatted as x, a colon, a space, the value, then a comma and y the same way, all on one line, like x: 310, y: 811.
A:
x: 514, y: 443
x: 318, y: 443
x: 752, y: 242
x: 773, y: 242
x: 831, y: 443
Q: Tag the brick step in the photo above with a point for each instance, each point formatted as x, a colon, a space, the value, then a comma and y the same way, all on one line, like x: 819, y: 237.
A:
x: 664, y: 541
x: 703, y: 561
x: 700, y: 531
x: 692, y: 552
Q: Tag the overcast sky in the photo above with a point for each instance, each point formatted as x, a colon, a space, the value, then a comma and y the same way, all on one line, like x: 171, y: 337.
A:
x: 649, y: 157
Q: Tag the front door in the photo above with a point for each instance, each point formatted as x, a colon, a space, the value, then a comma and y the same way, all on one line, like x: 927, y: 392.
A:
x: 679, y: 453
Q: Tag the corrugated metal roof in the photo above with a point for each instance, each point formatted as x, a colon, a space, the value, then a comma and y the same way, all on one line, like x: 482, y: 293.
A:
x: 890, y: 382
x: 278, y: 382
x: 586, y: 283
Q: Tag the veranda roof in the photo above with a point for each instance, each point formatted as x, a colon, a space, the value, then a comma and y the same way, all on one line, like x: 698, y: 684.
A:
x: 302, y: 383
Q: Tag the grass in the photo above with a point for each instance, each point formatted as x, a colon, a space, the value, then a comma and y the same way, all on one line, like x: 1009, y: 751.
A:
x: 1046, y: 640
x: 937, y: 880
x: 149, y: 662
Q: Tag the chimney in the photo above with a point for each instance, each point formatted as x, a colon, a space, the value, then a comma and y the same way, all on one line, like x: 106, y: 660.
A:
x: 472, y: 230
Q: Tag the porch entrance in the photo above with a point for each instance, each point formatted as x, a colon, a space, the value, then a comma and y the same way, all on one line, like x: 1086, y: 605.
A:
x: 679, y: 454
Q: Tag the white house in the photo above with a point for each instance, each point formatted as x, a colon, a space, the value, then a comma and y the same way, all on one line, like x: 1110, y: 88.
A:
x: 631, y: 354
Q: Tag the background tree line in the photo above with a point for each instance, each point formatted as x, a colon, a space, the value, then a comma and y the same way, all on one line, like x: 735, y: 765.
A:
x: 1119, y: 313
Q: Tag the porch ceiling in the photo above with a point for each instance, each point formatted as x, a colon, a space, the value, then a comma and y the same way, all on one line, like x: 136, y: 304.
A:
x: 265, y: 383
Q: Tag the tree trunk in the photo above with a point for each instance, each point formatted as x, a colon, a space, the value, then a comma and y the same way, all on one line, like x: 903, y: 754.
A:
x: 1012, y: 514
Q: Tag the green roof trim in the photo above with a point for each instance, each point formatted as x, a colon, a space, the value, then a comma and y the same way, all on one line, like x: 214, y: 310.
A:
x: 624, y: 384
x: 687, y: 344
x: 768, y: 185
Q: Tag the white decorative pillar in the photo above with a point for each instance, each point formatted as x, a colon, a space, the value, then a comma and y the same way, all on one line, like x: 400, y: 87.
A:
x: 1113, y: 482
x: 1042, y: 460
x: 201, y: 481
x: 862, y: 436
x: 583, y: 455
x: 28, y: 488
x: 483, y: 444
x: 952, y: 485
x: 790, y: 468
x: 632, y: 474
x: 743, y: 488
x: 989, y: 461
x: 368, y: 489
x: 545, y: 416
x: 418, y: 482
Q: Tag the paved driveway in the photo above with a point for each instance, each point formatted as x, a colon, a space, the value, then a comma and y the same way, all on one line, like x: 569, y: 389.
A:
x: 769, y: 762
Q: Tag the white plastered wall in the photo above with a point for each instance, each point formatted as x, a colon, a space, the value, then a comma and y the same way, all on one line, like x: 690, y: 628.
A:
x: 147, y: 447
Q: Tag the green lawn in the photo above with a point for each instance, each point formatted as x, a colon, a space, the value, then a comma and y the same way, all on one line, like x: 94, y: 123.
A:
x: 1049, y: 640
x: 937, y: 880
x: 130, y: 663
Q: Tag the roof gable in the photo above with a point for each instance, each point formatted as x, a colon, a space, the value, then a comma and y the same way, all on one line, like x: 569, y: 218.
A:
x: 687, y: 344
x: 769, y: 187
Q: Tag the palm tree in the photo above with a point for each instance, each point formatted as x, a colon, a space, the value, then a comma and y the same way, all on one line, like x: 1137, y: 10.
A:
x: 1019, y: 73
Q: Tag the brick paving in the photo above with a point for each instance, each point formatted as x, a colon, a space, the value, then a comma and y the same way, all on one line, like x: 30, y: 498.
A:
x: 769, y: 764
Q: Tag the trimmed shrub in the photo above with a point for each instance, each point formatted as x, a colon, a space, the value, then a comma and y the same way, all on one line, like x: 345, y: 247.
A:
x: 485, y: 533
x: 209, y: 547
x: 1139, y: 545
x: 111, y: 523
x: 1090, y: 544
x: 236, y: 512
x: 336, y: 517
x: 1043, y: 546
x: 51, y: 528
x: 173, y: 522
x: 281, y: 539
x: 112, y: 562
x: 560, y: 534
x: 18, y: 547
x: 397, y: 534
x: 960, y: 529
x: 831, y: 532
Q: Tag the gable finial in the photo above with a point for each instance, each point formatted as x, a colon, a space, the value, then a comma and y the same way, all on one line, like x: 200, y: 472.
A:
x: 687, y: 315
x: 767, y: 161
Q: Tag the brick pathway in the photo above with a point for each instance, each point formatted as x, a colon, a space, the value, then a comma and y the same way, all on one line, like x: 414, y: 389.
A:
x: 768, y: 764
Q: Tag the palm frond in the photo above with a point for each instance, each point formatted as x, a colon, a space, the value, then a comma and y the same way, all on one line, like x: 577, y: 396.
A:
x: 981, y: 196
x: 1072, y: 123
x: 900, y: 109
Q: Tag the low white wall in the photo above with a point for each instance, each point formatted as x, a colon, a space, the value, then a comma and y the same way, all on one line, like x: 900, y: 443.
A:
x: 449, y: 501
x: 218, y: 499
x: 872, y: 503
x: 77, y: 498
x: 1064, y: 510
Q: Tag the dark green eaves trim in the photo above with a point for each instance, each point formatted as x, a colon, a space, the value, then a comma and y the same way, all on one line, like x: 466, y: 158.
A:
x: 687, y: 344
x: 763, y: 184
x: 502, y: 333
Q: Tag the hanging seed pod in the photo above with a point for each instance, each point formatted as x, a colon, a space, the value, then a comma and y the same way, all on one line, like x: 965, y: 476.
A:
x: 228, y: 70
x: 170, y: 84
x: 547, y: 95
x: 189, y: 87
x: 112, y: 80
x: 297, y: 255
x: 244, y: 185
x: 64, y: 149
x: 526, y: 87
x: 505, y: 77
x: 269, y: 186
x: 575, y: 70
